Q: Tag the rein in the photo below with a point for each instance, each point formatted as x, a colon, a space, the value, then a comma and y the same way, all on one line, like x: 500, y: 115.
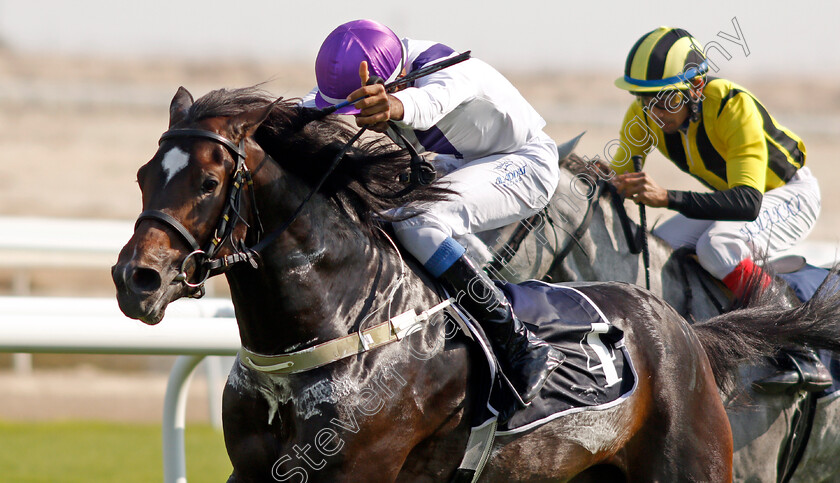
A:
x: 574, y: 237
x: 634, y: 239
x: 637, y: 166
x: 224, y: 230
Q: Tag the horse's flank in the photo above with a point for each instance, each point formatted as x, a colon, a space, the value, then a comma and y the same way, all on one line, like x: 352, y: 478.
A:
x: 397, y: 416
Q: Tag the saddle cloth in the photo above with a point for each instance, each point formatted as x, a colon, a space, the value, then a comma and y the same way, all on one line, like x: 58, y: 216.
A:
x: 805, y: 283
x: 806, y: 280
x: 597, y: 372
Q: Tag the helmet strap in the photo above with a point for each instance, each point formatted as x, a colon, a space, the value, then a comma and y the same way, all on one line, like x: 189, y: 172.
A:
x: 694, y: 96
x: 694, y: 108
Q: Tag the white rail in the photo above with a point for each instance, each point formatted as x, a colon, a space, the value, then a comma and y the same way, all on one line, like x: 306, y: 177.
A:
x: 34, y: 242
x: 192, y: 329
x: 30, y: 243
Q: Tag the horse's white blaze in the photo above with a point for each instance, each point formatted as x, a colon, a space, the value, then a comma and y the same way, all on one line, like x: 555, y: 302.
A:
x: 174, y: 161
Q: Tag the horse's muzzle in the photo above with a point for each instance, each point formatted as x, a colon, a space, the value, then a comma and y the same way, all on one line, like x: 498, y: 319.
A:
x: 140, y: 293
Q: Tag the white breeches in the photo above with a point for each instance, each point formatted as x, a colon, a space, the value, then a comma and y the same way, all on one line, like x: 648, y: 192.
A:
x: 491, y: 192
x: 787, y: 216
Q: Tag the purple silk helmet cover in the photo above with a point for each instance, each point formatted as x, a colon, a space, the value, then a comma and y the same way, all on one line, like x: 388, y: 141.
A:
x: 337, y: 64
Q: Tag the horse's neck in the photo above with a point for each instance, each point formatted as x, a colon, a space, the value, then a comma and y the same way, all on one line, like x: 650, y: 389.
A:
x: 685, y: 286
x: 317, y: 282
x: 606, y: 256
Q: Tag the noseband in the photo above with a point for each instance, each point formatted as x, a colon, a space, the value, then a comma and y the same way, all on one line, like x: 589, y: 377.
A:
x: 205, y: 261
x: 224, y: 229
x: 421, y: 173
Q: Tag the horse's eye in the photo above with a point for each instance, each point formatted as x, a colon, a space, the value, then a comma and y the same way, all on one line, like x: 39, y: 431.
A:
x: 209, y: 185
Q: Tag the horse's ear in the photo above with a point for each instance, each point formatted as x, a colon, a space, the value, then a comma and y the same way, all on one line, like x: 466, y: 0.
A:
x: 246, y: 124
x: 179, y: 106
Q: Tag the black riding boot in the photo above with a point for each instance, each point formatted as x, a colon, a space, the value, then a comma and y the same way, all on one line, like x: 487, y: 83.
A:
x: 798, y: 369
x: 526, y: 360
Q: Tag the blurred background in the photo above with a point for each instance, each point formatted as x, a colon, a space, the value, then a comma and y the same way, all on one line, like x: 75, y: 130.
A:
x: 84, y: 93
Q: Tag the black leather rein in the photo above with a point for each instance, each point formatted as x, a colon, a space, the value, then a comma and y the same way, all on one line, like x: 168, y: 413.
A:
x: 633, y: 236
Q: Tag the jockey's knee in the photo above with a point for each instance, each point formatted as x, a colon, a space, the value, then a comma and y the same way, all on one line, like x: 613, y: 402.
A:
x: 720, y: 253
x: 421, y: 236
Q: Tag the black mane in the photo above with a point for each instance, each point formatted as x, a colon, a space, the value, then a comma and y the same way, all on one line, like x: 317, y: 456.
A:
x: 574, y: 164
x: 365, y: 185
x: 577, y: 166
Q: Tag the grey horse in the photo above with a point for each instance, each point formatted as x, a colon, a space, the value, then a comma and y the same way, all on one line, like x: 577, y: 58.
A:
x: 580, y: 236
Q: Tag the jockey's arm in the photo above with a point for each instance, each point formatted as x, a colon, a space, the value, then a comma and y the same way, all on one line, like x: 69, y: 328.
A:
x: 741, y: 203
x: 745, y: 171
x: 436, y: 95
x: 742, y: 132
x: 420, y: 107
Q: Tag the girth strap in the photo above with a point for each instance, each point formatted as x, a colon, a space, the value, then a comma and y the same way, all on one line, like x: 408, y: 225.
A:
x: 391, y: 330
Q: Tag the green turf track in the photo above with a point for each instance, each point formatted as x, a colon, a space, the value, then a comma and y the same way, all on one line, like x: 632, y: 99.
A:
x: 103, y: 452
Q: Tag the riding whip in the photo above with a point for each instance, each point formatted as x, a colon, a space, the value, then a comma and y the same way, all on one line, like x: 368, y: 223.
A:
x: 405, y: 80
x: 637, y: 166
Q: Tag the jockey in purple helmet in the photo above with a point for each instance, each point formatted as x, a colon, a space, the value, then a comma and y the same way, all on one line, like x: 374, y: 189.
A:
x: 487, y: 142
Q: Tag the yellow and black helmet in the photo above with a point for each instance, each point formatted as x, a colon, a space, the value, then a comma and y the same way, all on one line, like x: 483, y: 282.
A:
x: 663, y: 59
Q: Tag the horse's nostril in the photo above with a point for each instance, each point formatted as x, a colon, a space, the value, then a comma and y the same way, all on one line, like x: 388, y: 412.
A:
x: 145, y: 280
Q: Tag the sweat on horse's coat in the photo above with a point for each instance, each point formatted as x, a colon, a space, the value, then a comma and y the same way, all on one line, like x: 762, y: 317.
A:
x: 420, y: 432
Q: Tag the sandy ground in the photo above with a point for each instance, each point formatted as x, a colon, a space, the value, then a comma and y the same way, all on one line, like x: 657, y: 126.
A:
x: 75, y: 130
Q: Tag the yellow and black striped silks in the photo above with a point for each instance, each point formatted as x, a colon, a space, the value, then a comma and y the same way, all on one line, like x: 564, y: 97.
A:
x: 735, y: 141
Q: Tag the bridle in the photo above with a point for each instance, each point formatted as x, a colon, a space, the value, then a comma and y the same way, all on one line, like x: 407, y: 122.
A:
x: 421, y: 173
x: 205, y: 257
x: 633, y: 239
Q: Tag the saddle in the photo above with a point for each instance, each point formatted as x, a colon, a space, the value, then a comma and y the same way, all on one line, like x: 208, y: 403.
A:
x: 597, y: 373
x: 802, y: 278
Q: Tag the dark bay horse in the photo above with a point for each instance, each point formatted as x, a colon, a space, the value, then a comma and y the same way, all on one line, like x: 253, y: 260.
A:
x: 234, y: 166
x: 761, y: 423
